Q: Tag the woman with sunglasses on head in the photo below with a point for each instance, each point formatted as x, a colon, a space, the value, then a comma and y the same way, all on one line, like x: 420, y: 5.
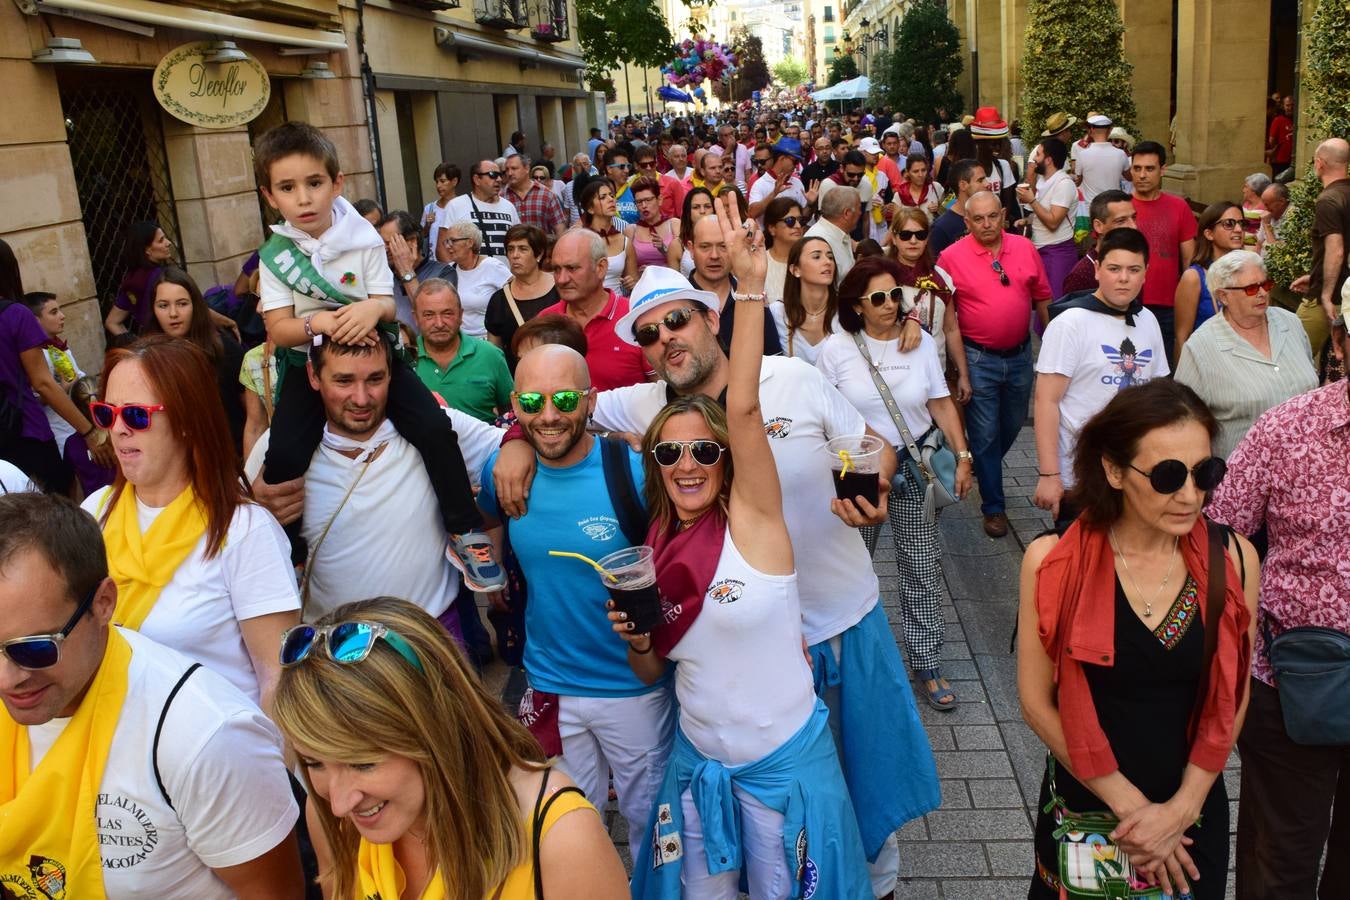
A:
x: 199, y: 566
x: 454, y: 803
x: 751, y: 731
x: 808, y: 312
x: 871, y: 319
x: 1129, y: 669
x: 783, y: 227
x: 697, y: 204
x: 1250, y: 357
x: 1217, y: 231
x: 656, y: 239
x: 179, y: 310
x: 928, y: 288
x: 598, y: 214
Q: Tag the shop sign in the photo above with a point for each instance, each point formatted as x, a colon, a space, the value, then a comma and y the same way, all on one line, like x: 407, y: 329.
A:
x: 207, y: 94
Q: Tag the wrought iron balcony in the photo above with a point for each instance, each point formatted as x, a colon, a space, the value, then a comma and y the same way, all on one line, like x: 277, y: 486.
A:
x: 506, y: 14
x: 549, y: 21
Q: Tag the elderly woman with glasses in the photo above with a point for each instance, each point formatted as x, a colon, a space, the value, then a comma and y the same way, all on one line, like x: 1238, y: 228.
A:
x: 1251, y: 356
x: 477, y: 276
x: 1219, y: 230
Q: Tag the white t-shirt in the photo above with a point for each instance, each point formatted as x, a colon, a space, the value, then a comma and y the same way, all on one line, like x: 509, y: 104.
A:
x: 1089, y: 348
x: 13, y: 480
x: 220, y: 759
x: 61, y: 429
x: 914, y: 378
x: 1100, y: 165
x: 476, y: 287
x: 800, y: 347
x: 801, y: 411
x: 494, y: 218
x: 370, y: 277
x: 198, y: 612
x: 1056, y: 191
x: 764, y: 185
x: 388, y: 540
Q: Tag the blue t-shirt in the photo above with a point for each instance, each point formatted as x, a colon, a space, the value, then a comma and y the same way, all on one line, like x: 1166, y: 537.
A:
x: 571, y: 648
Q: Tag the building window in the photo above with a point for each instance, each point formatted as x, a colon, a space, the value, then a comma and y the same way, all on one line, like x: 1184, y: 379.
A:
x: 829, y: 54
x: 829, y: 34
x: 829, y: 14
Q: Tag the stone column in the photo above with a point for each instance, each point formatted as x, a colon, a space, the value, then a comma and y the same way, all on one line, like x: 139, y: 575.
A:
x: 337, y: 106
x: 1148, y: 47
x: 508, y: 120
x: 1014, y: 14
x: 576, y: 131
x: 391, y: 157
x: 957, y: 12
x: 551, y: 115
x: 1220, y: 131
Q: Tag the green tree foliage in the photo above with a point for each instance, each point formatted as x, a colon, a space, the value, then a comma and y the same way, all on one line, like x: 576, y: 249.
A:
x: 883, y: 61
x: 752, y: 73
x: 614, y: 32
x: 1074, y: 61
x: 926, y: 63
x: 1326, y: 95
x: 842, y: 68
x: 790, y: 72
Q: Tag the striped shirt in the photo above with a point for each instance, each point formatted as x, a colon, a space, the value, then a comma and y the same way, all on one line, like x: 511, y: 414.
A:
x: 1236, y: 381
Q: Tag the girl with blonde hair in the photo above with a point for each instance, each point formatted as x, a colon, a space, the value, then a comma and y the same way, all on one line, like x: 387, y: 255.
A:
x: 421, y: 785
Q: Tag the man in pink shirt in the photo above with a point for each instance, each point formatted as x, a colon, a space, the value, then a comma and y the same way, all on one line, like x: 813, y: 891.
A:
x: 1169, y: 225
x: 999, y: 280
x: 580, y: 262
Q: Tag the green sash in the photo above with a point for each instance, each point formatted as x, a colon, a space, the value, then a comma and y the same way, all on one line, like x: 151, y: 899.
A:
x: 289, y: 264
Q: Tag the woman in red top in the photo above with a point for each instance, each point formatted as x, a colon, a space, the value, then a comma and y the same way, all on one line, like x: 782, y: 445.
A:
x: 1111, y: 646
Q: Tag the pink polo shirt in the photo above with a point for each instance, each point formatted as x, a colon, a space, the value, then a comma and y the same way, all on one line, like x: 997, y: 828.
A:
x: 991, y: 314
x: 613, y: 363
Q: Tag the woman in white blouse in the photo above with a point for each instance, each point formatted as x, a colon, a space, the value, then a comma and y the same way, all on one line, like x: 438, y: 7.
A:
x: 806, y: 315
x: 1251, y: 356
x: 870, y: 299
x: 199, y: 566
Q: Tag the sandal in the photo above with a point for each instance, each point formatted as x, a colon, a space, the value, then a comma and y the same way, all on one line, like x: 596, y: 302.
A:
x: 939, y: 697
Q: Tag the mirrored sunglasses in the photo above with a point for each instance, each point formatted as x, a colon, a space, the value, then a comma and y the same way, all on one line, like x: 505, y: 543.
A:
x: 532, y: 402
x: 347, y: 643
x: 704, y: 452
x: 649, y: 334
x: 135, y: 416
x: 42, y: 651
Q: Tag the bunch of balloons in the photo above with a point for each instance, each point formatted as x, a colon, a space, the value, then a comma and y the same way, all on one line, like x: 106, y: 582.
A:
x: 697, y: 60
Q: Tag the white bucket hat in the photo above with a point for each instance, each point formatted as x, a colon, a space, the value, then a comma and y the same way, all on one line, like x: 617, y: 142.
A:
x: 658, y: 285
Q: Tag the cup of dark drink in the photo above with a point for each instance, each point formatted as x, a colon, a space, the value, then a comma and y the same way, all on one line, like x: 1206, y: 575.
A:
x: 855, y: 466
x: 630, y: 578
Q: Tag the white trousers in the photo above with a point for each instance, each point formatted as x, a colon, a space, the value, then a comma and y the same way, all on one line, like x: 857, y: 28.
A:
x: 762, y: 846
x: 630, y: 736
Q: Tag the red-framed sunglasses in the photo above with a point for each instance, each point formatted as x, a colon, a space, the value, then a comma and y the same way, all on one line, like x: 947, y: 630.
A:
x: 135, y: 416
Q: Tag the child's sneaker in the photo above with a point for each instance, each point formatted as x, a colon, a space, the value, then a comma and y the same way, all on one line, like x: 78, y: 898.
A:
x: 471, y: 553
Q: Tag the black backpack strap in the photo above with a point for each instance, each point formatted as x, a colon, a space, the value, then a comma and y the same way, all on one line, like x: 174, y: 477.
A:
x: 541, y: 808
x: 159, y: 728
x: 623, y: 492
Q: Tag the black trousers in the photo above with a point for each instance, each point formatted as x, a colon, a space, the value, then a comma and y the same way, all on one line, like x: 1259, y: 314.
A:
x: 41, y: 461
x: 297, y: 428
x: 1295, y: 801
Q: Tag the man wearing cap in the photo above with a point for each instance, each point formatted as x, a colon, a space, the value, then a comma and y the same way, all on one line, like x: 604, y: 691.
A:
x: 875, y: 188
x: 787, y: 154
x: 1101, y: 164
x: 886, y: 759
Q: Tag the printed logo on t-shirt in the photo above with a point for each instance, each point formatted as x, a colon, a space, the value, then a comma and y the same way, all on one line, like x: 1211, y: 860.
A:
x: 1129, y: 364
x: 599, y: 528
x: 778, y: 427
x: 14, y: 886
x: 49, y: 876
x: 728, y: 590
x: 126, y: 834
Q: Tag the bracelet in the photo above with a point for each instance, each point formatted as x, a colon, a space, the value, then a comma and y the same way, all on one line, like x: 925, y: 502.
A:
x: 1048, y: 474
x: 650, y: 647
x: 92, y: 429
x: 750, y: 298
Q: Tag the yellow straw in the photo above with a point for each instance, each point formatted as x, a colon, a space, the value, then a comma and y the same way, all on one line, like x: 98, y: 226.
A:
x: 847, y: 460
x: 586, y: 559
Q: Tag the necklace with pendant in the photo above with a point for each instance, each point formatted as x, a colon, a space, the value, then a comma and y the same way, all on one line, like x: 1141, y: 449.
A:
x: 1148, y: 604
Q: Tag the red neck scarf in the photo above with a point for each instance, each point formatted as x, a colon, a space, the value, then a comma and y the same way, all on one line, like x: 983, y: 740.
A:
x: 905, y: 190
x: 686, y: 560
x: 1075, y: 606
x: 923, y: 277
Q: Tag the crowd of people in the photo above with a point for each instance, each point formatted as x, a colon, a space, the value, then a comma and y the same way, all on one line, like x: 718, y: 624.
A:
x: 654, y: 408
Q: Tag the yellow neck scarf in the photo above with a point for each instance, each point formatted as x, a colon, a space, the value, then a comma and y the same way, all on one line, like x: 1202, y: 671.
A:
x: 876, y: 210
x: 48, y: 841
x: 381, y: 877
x: 142, y: 564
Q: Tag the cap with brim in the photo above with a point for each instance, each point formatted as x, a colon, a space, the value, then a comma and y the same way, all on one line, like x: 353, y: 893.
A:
x: 869, y: 145
x: 1057, y: 122
x: 1099, y: 121
x: 659, y: 285
x: 788, y: 147
x: 988, y: 123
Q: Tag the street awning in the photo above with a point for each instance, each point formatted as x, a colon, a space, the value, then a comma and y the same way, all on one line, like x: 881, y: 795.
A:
x: 219, y: 25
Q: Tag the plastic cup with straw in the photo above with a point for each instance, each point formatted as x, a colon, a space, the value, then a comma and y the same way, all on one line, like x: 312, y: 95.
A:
x: 855, y: 462
x: 630, y: 577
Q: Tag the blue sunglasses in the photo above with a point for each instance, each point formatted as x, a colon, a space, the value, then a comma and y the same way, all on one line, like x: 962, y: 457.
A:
x: 348, y: 643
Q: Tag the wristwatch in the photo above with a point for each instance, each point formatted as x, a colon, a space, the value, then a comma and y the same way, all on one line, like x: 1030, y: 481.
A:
x: 965, y: 454
x: 408, y: 277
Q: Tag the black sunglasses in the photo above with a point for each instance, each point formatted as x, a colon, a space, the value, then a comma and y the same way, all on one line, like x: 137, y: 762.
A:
x: 879, y: 298
x: 1169, y: 476
x: 1002, y: 275
x: 762, y: 160
x: 649, y: 334
x: 668, y: 453
x: 791, y: 221
x: 492, y: 175
x: 42, y: 651
x: 907, y: 235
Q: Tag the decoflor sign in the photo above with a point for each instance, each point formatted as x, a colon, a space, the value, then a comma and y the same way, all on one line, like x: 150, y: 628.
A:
x: 207, y: 94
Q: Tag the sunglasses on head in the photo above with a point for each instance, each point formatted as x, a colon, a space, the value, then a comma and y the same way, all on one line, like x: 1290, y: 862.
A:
x: 1251, y: 290
x: 649, y: 334
x: 907, y: 235
x: 1169, y: 476
x: 42, y: 651
x: 879, y: 298
x: 135, y: 416
x: 668, y: 453
x: 348, y: 643
x: 1002, y: 275
x: 532, y: 402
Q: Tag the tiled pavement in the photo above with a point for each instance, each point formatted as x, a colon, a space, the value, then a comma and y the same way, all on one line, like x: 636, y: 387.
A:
x: 977, y: 846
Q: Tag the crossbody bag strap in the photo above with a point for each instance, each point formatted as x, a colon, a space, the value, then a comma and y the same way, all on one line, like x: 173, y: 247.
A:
x: 623, y: 492
x: 511, y: 303
x: 159, y: 728
x: 1214, y: 603
x: 893, y: 408
x: 314, y: 548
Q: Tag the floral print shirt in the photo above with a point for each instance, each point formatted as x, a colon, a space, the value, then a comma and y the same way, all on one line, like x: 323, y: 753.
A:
x: 1291, y: 473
